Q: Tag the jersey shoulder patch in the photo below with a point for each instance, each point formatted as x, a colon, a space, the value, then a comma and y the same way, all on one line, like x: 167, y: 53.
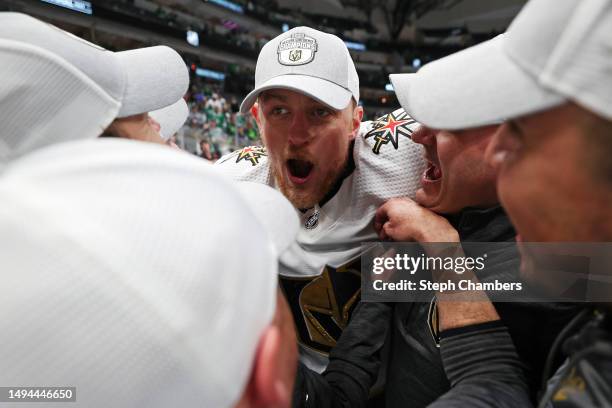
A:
x: 388, y: 162
x: 388, y: 132
x: 251, y: 155
x: 247, y: 164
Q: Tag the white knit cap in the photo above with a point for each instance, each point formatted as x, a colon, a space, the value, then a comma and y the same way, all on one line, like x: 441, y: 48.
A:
x: 135, y: 273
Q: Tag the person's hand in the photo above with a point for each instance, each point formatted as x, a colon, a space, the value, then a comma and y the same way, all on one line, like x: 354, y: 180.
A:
x: 401, y: 219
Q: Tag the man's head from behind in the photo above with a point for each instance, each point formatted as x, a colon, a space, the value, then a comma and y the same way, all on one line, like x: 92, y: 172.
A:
x: 307, y: 90
x: 113, y: 294
x: 274, y: 368
x: 72, y: 88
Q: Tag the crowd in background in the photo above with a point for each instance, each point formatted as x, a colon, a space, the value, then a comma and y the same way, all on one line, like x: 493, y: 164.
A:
x: 215, y: 127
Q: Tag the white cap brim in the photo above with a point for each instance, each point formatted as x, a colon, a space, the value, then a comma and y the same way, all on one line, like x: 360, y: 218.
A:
x: 273, y: 211
x: 478, y: 86
x: 156, y: 77
x: 322, y: 90
x: 171, y: 118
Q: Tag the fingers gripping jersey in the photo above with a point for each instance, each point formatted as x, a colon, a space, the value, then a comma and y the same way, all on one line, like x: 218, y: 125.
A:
x: 320, y: 274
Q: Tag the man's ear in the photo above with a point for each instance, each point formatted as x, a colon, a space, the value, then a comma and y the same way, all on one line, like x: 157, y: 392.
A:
x: 356, y: 121
x: 267, y: 386
x: 255, y: 113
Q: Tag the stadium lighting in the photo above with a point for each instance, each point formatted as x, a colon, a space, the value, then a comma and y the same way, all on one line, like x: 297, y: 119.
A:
x: 193, y: 38
x: 81, y: 6
x: 389, y: 87
x: 228, y: 5
x: 355, y: 46
x: 209, y: 73
x: 285, y: 27
x: 416, y: 63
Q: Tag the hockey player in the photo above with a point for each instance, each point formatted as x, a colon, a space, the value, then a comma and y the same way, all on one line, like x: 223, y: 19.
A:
x: 334, y: 169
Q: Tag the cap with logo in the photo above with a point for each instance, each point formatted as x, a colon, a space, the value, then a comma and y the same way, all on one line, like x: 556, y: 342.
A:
x: 554, y: 51
x: 310, y: 62
x: 135, y: 268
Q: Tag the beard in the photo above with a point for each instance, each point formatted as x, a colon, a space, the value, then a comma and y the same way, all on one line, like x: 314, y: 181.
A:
x: 305, y: 197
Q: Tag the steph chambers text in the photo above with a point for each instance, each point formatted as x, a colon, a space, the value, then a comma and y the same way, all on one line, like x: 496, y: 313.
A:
x: 448, y: 286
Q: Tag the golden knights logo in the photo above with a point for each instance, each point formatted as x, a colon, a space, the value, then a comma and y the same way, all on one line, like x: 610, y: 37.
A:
x: 252, y: 154
x: 388, y: 128
x: 295, y: 55
x: 298, y: 49
x: 322, y: 305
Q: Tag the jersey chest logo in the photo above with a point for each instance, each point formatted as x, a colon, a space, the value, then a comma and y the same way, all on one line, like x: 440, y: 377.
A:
x: 252, y: 154
x: 322, y: 305
x: 388, y: 128
x: 312, y: 221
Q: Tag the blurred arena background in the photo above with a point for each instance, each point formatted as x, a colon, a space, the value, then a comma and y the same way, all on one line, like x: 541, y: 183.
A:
x: 220, y: 40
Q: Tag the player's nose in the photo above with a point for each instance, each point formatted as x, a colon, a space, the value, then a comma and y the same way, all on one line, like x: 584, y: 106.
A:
x: 299, y: 131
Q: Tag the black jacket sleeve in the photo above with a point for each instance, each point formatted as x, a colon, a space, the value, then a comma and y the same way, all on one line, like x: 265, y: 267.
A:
x: 353, y: 364
x: 483, y: 368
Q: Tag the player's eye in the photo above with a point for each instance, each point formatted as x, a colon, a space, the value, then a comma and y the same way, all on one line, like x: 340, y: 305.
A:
x: 278, y: 111
x: 322, y: 112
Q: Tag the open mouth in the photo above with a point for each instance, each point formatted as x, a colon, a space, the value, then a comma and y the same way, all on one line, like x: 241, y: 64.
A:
x: 299, y: 170
x: 433, y: 172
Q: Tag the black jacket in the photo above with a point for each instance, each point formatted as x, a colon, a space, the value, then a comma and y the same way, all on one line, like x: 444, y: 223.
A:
x: 415, y: 373
x: 585, y: 379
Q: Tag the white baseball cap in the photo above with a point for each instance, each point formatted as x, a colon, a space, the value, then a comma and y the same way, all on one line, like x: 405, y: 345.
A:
x: 142, y: 80
x: 171, y: 118
x: 135, y: 273
x: 554, y: 51
x: 308, y: 61
x: 45, y: 100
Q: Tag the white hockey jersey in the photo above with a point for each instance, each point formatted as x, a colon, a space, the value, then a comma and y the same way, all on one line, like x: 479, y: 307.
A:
x: 320, y: 275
